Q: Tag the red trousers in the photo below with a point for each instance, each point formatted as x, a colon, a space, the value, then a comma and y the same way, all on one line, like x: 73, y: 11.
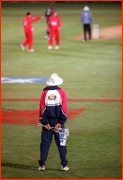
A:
x: 29, y: 39
x: 57, y: 34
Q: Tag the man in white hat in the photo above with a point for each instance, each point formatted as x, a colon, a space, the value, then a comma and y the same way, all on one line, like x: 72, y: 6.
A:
x: 52, y: 113
x: 86, y: 19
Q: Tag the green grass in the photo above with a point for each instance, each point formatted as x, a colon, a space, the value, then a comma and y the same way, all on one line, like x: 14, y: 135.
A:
x: 90, y: 70
x: 94, y: 147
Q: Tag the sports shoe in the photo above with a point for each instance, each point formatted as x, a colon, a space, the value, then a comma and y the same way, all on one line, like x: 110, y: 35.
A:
x: 50, y: 47
x: 31, y: 50
x: 64, y: 168
x: 57, y: 47
x: 41, y: 168
x: 22, y: 47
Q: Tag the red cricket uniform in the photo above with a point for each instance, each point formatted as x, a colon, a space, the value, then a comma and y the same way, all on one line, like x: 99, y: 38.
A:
x: 54, y: 24
x: 28, y: 30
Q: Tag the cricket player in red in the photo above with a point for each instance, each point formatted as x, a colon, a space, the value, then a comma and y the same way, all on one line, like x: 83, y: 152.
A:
x: 54, y: 24
x: 27, y: 23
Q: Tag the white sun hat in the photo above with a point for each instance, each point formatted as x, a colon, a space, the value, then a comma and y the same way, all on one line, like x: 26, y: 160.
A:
x: 86, y: 8
x: 54, y: 80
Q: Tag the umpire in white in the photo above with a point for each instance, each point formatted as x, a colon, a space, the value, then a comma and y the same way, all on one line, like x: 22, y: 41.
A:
x: 86, y: 19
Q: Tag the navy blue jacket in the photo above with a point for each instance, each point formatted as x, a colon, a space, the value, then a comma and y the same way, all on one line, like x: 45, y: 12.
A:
x: 86, y: 17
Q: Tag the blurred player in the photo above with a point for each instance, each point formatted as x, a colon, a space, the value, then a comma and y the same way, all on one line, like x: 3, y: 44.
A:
x: 48, y: 13
x: 54, y: 24
x: 27, y: 23
x: 86, y: 18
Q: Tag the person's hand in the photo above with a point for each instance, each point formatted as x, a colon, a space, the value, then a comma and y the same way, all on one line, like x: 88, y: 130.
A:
x: 57, y: 127
x: 47, y: 127
x: 42, y: 17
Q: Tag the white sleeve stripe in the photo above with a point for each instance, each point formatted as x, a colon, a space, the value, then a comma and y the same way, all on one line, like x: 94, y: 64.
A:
x: 63, y: 112
x: 43, y: 110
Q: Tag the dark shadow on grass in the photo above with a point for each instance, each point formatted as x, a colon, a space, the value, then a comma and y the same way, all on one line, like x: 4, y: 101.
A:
x: 21, y: 166
x: 51, y: 169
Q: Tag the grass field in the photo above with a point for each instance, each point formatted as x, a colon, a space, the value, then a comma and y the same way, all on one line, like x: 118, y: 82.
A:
x: 90, y: 71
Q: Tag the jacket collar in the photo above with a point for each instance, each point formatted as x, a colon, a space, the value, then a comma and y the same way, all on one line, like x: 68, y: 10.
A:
x: 51, y: 88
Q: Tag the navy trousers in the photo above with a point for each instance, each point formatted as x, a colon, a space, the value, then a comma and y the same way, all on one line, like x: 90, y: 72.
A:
x: 87, y: 28
x: 46, y: 139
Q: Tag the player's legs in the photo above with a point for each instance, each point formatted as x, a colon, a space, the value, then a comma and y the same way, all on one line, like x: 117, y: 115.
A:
x: 51, y: 38
x: 89, y: 31
x: 57, y: 33
x: 85, y: 29
x: 30, y: 40
x: 27, y: 39
x: 46, y: 139
x: 25, y: 42
x: 62, y: 150
x: 47, y: 31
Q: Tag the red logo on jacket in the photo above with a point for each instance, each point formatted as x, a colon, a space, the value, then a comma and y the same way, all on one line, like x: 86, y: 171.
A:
x: 52, y: 97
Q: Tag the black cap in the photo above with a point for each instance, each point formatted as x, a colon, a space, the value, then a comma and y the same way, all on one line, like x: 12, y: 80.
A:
x: 28, y: 13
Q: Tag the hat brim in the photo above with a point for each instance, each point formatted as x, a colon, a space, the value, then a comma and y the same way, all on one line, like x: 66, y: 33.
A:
x: 55, y: 83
